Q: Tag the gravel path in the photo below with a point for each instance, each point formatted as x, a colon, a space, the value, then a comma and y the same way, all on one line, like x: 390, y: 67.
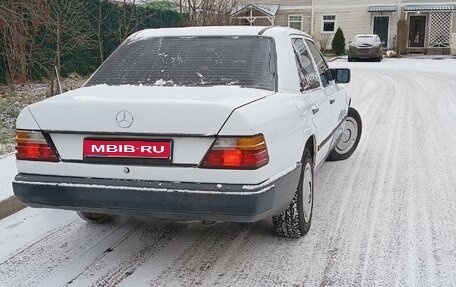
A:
x: 384, y: 217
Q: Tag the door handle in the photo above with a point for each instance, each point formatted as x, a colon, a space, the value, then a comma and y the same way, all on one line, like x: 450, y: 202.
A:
x: 315, y: 110
x: 332, y: 101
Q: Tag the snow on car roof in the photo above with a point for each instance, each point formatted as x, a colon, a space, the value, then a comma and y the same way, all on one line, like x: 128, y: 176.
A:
x: 366, y: 35
x: 208, y: 31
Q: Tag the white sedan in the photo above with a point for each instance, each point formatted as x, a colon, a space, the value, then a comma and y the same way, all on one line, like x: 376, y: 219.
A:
x: 208, y: 123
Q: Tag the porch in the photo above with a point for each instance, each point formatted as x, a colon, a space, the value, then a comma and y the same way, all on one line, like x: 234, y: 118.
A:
x: 430, y: 28
x: 255, y: 14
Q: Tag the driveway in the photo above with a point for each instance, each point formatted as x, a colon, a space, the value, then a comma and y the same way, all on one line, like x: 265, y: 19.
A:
x: 384, y: 217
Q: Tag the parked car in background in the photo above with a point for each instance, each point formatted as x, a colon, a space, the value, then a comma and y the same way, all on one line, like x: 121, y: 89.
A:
x: 207, y: 123
x: 368, y: 47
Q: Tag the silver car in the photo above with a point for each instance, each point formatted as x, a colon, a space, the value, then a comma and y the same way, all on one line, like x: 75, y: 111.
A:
x: 365, y: 47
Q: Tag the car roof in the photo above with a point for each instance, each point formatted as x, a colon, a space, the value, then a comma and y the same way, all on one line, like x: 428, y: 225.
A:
x: 215, y: 31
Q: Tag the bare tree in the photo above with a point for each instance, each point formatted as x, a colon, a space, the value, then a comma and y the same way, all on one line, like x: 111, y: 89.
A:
x: 129, y: 19
x: 323, y: 41
x: 206, y: 12
x: 99, y: 31
x: 15, y: 38
x: 43, y: 38
x: 100, y: 18
x: 68, y: 27
x: 28, y: 26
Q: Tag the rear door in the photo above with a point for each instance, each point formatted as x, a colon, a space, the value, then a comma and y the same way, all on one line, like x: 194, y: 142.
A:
x: 336, y: 99
x: 313, y: 92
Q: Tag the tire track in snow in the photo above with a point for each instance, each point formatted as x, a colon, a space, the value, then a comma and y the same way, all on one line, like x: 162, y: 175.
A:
x: 348, y: 188
x: 367, y: 139
x: 47, y: 255
x: 23, y: 249
x: 389, y: 146
x: 122, y: 259
x: 417, y: 220
x: 247, y: 263
x: 380, y: 241
x: 434, y: 226
x: 196, y: 261
x: 75, y: 267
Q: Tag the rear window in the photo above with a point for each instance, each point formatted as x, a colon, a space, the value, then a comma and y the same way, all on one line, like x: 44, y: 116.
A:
x: 360, y: 40
x: 191, y: 61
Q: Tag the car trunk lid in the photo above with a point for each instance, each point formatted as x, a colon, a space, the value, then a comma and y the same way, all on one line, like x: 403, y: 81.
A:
x: 147, y: 110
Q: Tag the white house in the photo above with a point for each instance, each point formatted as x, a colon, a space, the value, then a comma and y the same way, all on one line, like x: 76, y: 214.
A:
x: 432, y: 24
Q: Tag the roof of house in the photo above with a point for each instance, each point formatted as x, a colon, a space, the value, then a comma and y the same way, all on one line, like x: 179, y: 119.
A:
x: 430, y: 7
x: 269, y: 9
x: 280, y: 2
x: 382, y: 8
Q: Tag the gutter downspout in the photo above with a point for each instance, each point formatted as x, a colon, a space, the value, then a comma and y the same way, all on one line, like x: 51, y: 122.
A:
x: 312, y: 23
x: 398, y: 17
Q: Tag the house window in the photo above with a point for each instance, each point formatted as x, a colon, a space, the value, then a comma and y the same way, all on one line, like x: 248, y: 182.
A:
x: 329, y: 23
x: 295, y: 21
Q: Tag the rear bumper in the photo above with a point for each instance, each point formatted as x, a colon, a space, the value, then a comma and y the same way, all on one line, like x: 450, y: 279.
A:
x: 364, y: 54
x: 164, y: 200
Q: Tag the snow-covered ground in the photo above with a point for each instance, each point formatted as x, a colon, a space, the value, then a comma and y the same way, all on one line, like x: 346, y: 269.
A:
x: 384, y: 217
x: 439, y: 65
x: 7, y: 173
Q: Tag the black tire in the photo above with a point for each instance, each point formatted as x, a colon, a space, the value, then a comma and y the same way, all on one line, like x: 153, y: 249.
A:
x: 94, y: 217
x: 350, y: 59
x: 337, y: 154
x: 292, y: 222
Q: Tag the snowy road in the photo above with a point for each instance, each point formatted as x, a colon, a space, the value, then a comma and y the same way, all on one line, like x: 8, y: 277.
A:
x: 7, y: 173
x: 385, y: 217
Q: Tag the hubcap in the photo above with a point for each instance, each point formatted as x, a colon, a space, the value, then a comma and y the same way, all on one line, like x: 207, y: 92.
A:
x: 348, y: 137
x: 307, y: 186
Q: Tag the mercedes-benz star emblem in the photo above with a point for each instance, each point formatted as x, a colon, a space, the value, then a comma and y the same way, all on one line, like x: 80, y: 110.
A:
x: 124, y: 119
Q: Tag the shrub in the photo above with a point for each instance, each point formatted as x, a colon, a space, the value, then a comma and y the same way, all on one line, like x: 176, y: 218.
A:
x: 338, y: 42
x: 323, y: 41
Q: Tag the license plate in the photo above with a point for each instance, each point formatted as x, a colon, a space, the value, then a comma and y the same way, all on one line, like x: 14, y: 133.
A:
x: 125, y: 148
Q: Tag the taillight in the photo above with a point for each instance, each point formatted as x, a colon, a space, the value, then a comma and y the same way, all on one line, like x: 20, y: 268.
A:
x: 32, y: 145
x: 237, y: 153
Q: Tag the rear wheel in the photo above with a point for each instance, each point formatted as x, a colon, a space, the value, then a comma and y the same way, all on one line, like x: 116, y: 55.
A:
x: 94, y: 217
x: 350, y: 137
x: 350, y: 59
x: 295, y: 221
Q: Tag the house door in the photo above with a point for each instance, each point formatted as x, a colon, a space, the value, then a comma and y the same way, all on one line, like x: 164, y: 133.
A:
x: 417, y: 31
x: 381, y: 27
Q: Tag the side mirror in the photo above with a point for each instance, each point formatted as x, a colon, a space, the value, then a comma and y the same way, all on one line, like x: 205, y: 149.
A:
x: 342, y: 76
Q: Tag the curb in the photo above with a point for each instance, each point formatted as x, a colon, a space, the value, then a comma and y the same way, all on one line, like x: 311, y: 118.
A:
x: 7, y: 155
x: 10, y: 206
